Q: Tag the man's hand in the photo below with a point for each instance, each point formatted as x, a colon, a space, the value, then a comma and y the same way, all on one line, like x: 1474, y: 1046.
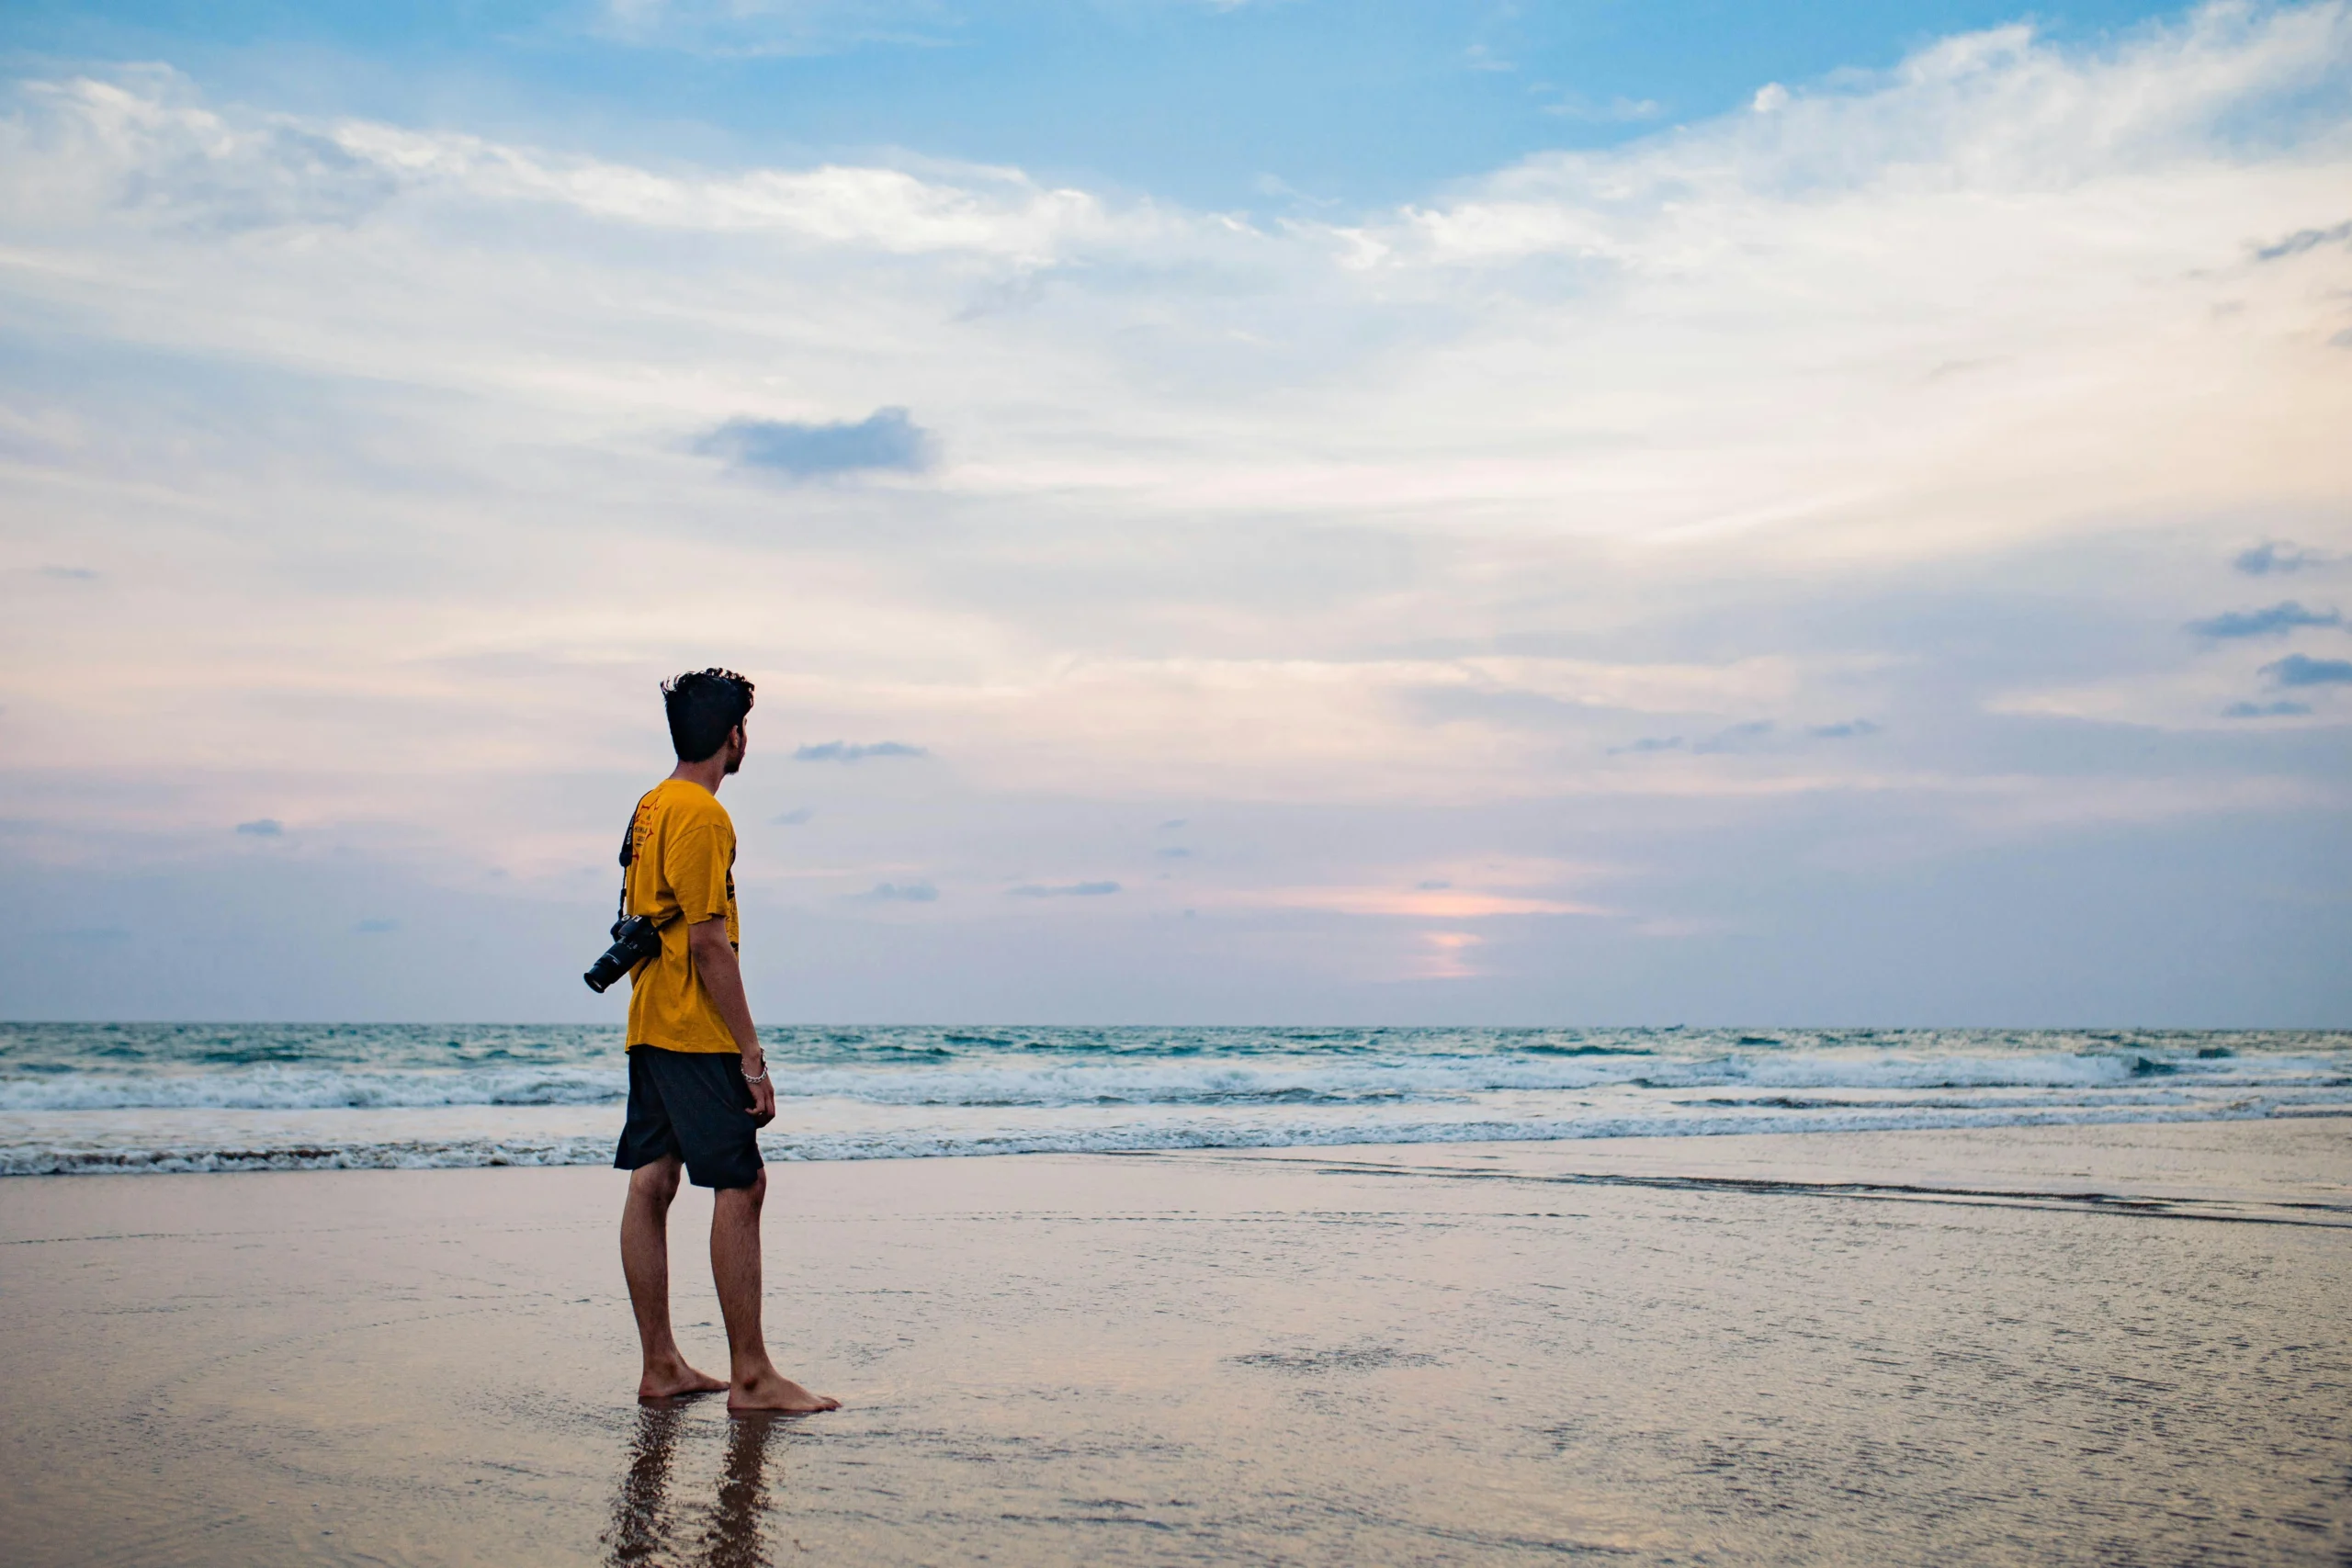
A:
x: 762, y: 1092
x: 722, y: 976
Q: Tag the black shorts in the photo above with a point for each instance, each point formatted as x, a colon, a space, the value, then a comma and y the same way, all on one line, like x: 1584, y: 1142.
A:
x: 694, y: 1105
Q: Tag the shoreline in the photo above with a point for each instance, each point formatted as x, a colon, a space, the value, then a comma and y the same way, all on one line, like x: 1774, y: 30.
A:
x: 124, y: 1098
x: 590, y: 1149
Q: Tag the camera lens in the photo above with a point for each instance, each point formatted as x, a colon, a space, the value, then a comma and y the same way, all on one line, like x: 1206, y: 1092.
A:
x: 604, y: 971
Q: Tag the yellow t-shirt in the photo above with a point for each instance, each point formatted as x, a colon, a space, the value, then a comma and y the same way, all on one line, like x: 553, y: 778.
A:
x: 681, y: 860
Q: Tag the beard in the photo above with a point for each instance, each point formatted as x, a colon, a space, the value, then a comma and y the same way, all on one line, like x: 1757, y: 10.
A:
x: 734, y: 763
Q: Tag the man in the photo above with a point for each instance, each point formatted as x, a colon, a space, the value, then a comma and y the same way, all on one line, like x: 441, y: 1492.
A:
x: 698, y: 1089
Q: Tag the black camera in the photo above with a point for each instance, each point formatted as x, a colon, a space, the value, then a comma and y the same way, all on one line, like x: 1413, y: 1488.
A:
x: 635, y: 939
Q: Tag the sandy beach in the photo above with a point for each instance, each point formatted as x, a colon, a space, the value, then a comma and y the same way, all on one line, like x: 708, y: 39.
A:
x: 2082, y: 1344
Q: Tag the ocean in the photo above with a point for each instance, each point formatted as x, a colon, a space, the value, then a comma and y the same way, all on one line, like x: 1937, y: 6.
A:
x: 189, y: 1097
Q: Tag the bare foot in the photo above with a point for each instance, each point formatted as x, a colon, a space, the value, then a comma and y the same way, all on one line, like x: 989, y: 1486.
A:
x: 675, y: 1380
x: 771, y: 1390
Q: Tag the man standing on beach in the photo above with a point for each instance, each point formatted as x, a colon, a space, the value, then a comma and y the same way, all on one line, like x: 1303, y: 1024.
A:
x: 698, y: 1089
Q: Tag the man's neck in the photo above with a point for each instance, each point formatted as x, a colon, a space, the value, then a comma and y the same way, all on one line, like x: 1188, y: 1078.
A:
x: 709, y: 772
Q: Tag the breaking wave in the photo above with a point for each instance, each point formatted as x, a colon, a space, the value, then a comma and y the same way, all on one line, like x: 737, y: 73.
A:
x: 190, y: 1098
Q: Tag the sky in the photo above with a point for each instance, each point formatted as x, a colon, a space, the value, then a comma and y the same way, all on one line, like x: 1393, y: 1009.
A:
x: 1256, y: 512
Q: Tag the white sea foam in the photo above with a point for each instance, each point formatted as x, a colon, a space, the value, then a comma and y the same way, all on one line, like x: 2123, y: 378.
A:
x: 1108, y: 1138
x: 129, y: 1097
x: 315, y: 1089
x: 1153, y: 1082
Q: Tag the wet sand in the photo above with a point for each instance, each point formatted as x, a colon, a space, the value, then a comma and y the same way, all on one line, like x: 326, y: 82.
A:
x: 2094, y: 1345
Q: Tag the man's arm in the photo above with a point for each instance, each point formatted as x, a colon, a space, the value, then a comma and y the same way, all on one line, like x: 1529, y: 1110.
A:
x: 722, y: 976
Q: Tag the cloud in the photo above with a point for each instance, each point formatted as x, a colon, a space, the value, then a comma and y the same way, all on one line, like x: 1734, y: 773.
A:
x: 2277, y: 556
x: 1738, y: 738
x: 1650, y: 743
x: 69, y: 573
x: 2265, y: 710
x: 1852, y: 729
x: 2303, y: 240
x: 904, y: 892
x: 375, y: 927
x: 1268, y: 184
x: 1174, y: 852
x: 2298, y: 669
x: 794, y: 817
x: 2001, y: 110
x: 847, y: 751
x: 2184, y: 697
x: 143, y: 150
x: 262, y: 828
x: 1064, y: 890
x: 220, y: 176
x: 885, y: 441
x: 2275, y: 621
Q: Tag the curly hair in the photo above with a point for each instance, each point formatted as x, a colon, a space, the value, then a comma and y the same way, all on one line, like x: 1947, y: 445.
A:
x: 704, y: 705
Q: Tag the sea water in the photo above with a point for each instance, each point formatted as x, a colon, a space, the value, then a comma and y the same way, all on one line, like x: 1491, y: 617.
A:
x: 147, y: 1096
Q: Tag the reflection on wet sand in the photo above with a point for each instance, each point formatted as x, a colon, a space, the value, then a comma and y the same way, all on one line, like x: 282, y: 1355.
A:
x: 1482, y: 1356
x: 645, y: 1527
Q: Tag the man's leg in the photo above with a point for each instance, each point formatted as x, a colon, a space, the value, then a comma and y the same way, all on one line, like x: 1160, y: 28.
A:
x: 645, y: 1263
x: 735, y: 1266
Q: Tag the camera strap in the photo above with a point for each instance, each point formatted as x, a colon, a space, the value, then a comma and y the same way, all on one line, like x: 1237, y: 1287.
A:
x: 629, y: 853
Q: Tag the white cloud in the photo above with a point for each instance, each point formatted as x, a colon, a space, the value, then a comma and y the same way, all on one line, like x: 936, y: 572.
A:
x: 143, y: 148
x: 2198, y: 697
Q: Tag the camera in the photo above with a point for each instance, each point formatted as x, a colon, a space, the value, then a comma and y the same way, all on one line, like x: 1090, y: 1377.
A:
x: 635, y: 938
